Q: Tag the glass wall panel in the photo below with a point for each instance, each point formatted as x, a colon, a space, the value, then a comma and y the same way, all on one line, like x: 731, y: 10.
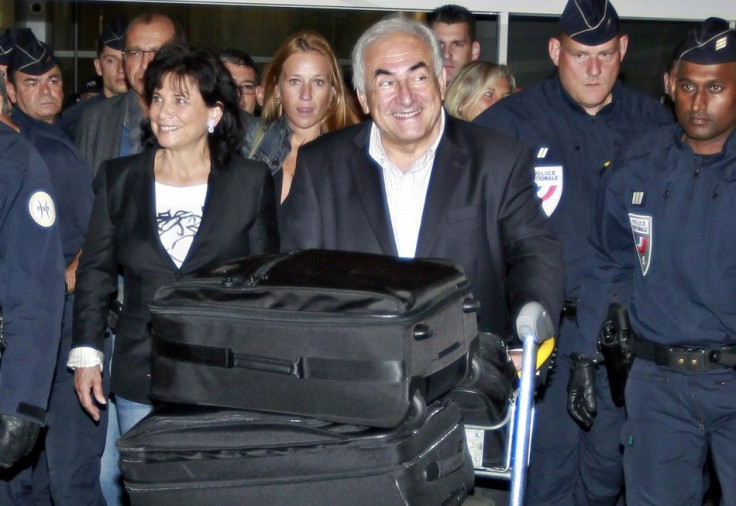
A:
x: 75, y: 25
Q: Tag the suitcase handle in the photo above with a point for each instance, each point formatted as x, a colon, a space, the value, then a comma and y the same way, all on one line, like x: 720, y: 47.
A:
x: 384, y: 371
x: 421, y: 332
x: 439, y: 468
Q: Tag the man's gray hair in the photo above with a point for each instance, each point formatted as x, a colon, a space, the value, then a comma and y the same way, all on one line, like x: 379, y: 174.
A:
x: 394, y: 25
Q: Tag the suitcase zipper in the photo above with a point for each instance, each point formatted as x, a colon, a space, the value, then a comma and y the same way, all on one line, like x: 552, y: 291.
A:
x: 260, y: 274
x: 158, y: 306
x: 222, y: 310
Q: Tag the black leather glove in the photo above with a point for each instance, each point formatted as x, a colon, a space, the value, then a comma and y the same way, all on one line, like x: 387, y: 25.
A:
x: 17, y: 437
x: 581, y: 402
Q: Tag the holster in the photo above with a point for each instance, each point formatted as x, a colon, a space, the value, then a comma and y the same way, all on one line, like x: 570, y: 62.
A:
x: 614, y: 343
x: 116, y: 307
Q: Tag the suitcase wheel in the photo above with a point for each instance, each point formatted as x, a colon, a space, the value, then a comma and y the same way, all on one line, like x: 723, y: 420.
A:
x: 417, y: 410
x: 476, y: 371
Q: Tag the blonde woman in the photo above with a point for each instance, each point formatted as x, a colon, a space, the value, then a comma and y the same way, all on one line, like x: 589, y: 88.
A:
x: 477, y: 86
x: 304, y: 97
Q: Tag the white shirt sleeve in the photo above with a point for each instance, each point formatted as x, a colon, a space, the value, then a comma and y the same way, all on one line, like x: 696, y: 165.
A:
x: 85, y: 356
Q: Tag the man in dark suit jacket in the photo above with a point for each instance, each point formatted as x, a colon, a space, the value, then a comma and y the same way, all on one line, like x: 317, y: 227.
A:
x: 414, y: 182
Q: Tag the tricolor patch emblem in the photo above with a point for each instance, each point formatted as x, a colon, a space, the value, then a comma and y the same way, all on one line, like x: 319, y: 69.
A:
x: 641, y: 227
x: 549, y: 186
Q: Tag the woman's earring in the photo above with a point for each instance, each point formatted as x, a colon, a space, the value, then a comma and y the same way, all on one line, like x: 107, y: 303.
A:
x: 277, y: 100
x: 211, y: 126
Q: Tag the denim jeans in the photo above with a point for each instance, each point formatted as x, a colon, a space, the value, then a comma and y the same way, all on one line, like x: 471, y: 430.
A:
x: 130, y: 413
x: 111, y: 479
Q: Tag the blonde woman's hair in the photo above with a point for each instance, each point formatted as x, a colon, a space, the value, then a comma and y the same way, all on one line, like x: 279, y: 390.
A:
x: 472, y: 81
x: 339, y: 114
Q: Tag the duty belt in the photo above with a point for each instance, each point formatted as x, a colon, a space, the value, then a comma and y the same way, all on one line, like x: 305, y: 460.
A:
x: 570, y: 309
x: 683, y: 359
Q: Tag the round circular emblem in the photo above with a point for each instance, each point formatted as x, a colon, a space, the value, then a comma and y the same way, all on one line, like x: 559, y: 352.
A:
x: 41, y: 208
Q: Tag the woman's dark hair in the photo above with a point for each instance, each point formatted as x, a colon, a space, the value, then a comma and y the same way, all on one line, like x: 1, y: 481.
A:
x: 215, y: 85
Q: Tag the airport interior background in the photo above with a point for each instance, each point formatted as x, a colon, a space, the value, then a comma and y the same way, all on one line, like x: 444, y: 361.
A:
x: 72, y: 28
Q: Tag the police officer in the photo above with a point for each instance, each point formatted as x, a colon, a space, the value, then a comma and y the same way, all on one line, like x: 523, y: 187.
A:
x: 576, y: 122
x: 31, y: 303
x: 73, y: 443
x: 109, y: 66
x: 665, y: 224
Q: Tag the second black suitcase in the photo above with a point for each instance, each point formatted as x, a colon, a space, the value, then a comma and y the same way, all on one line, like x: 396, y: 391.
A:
x: 227, y: 457
x: 345, y: 337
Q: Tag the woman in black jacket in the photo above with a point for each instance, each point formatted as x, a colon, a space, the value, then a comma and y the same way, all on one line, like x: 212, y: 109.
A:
x: 187, y: 205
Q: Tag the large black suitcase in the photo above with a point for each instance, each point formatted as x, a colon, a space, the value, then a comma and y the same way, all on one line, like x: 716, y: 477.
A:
x: 197, y: 456
x: 345, y: 337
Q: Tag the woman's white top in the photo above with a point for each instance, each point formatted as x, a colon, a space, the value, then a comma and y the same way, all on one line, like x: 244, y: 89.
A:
x: 178, y: 215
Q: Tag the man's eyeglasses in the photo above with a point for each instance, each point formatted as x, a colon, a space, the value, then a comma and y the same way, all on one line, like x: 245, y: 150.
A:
x: 247, y: 88
x: 137, y: 54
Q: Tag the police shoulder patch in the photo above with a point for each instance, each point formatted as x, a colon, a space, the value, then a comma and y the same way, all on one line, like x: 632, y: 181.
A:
x: 549, y: 181
x: 41, y: 208
x: 641, y: 228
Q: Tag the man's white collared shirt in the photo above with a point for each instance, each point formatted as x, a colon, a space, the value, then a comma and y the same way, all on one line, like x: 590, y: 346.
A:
x: 406, y: 192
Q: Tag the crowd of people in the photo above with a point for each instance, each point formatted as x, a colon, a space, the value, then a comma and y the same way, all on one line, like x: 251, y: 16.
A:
x: 187, y: 159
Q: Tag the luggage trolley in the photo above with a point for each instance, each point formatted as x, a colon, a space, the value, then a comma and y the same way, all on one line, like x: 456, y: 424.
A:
x: 512, y: 431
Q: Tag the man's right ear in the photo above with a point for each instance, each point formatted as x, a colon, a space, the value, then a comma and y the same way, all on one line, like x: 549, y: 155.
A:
x: 11, y: 92
x: 363, y: 99
x: 554, y: 48
x: 98, y: 66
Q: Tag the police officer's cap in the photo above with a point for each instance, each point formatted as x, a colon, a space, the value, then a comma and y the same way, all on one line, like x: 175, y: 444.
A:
x: 710, y: 43
x: 6, y: 47
x: 113, y: 34
x: 30, y: 55
x: 589, y: 22
x: 7, y: 42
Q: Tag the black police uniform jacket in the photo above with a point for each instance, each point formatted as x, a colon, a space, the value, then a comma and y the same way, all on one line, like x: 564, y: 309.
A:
x: 238, y: 219
x: 481, y: 212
